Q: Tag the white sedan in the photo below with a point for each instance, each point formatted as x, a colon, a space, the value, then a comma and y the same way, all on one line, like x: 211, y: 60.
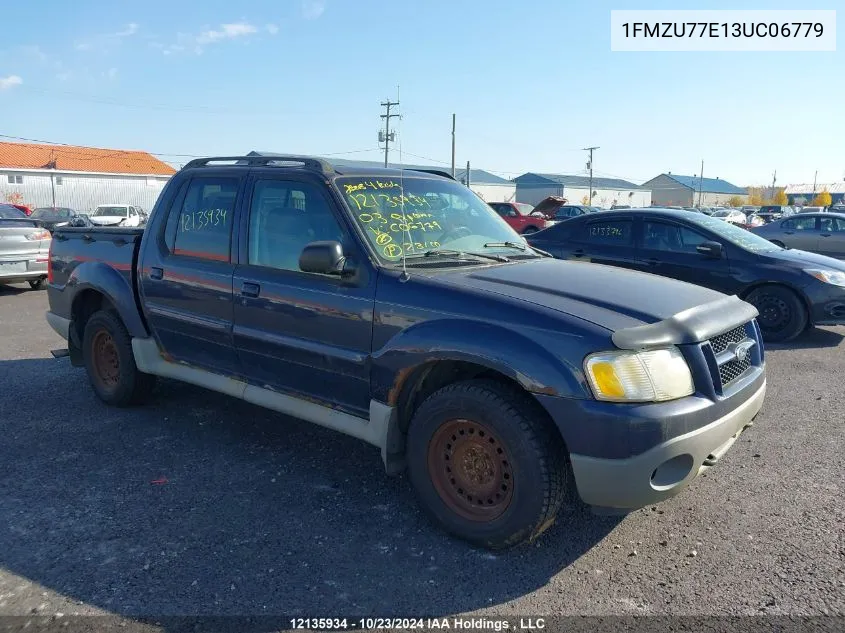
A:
x: 734, y: 216
x: 115, y: 215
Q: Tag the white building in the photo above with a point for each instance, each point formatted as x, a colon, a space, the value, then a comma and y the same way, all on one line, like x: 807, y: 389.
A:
x: 803, y: 194
x: 79, y: 177
x: 531, y: 188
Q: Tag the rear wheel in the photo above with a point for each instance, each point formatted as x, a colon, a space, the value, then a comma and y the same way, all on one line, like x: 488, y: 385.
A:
x: 782, y: 313
x: 107, y: 352
x: 38, y: 284
x: 485, y: 463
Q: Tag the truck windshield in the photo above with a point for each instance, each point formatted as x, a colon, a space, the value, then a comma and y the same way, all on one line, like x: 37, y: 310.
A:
x: 439, y: 214
x: 111, y: 211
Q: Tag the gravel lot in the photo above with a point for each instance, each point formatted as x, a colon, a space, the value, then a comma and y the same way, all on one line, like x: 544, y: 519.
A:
x: 201, y: 504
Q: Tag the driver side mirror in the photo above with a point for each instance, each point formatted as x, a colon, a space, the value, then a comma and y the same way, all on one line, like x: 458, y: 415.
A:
x: 325, y: 258
x: 711, y: 250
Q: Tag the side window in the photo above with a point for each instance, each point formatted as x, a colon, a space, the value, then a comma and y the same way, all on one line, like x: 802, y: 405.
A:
x: 204, y: 222
x: 564, y: 212
x: 608, y: 233
x: 659, y: 236
x: 284, y: 217
x: 832, y: 225
x: 501, y: 209
x: 799, y: 224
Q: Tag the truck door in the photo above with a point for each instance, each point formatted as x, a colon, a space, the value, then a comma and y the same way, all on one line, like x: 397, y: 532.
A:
x: 306, y: 334
x: 186, y: 275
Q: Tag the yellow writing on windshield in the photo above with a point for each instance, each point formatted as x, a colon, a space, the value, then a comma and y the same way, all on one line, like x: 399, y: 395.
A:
x: 364, y: 201
x: 394, y: 251
x: 371, y: 184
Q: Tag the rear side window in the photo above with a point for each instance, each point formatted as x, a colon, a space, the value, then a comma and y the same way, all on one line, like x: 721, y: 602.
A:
x: 205, y: 217
x: 608, y: 232
x: 832, y: 225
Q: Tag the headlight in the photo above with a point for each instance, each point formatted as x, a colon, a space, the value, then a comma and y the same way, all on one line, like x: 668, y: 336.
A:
x: 646, y: 376
x: 834, y: 277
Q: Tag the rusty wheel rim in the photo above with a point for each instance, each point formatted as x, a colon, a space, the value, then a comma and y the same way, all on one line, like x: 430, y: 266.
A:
x: 106, y: 359
x: 471, y: 470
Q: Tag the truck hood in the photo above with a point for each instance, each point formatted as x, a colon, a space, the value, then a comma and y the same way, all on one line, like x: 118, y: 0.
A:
x: 106, y: 220
x: 642, y: 310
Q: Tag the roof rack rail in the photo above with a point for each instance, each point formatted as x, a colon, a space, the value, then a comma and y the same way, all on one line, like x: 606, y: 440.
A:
x: 308, y: 162
x: 436, y: 172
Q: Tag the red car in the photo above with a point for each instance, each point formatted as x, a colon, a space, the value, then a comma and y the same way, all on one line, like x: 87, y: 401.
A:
x: 23, y: 208
x: 520, y: 216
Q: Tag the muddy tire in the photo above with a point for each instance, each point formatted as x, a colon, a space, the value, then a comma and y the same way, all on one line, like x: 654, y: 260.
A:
x: 783, y: 315
x: 107, y: 352
x: 486, y: 464
x: 38, y: 284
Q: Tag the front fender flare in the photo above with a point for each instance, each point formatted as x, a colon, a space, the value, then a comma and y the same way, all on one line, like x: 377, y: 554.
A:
x: 495, y: 347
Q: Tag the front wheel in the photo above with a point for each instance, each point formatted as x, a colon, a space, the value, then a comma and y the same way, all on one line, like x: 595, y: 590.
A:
x: 110, y: 363
x: 782, y: 313
x: 38, y: 284
x: 485, y: 463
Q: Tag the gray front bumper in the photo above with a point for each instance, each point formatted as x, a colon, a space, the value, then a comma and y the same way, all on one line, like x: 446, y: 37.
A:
x: 59, y: 324
x: 665, y: 470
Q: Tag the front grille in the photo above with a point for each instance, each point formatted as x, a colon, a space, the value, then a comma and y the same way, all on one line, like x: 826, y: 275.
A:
x: 720, y: 343
x: 732, y: 368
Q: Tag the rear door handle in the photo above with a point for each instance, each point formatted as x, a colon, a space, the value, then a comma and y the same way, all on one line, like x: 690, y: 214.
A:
x: 651, y: 261
x: 825, y: 234
x: 156, y: 273
x: 578, y: 253
x: 249, y: 289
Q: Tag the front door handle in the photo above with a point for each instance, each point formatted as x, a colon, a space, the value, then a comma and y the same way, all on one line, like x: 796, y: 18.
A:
x: 825, y: 234
x: 578, y: 253
x: 156, y: 273
x: 249, y: 289
x: 652, y: 261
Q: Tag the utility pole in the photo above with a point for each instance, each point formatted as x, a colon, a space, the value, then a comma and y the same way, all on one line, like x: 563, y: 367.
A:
x: 815, y: 179
x: 590, y: 167
x: 453, y: 145
x: 386, y: 136
x: 467, y: 174
x: 700, y: 183
x: 774, y: 180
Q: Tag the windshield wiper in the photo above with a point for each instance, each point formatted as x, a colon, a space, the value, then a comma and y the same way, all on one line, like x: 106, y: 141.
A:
x: 518, y: 246
x: 461, y: 254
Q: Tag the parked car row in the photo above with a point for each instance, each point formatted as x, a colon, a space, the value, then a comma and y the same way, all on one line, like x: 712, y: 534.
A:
x: 792, y: 289
x: 24, y: 248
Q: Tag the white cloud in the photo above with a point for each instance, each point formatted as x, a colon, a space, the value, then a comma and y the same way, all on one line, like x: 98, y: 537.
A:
x: 100, y: 42
x: 272, y: 29
x: 10, y: 82
x: 226, y: 32
x: 313, y: 9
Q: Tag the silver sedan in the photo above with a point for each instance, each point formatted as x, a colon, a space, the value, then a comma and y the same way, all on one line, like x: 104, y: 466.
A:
x: 24, y: 248
x: 822, y: 233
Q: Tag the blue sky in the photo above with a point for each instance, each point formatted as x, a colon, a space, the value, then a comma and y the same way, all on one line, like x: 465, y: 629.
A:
x: 531, y: 83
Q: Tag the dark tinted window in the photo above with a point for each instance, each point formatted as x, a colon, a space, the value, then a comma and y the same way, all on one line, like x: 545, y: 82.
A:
x: 501, y: 208
x: 610, y: 232
x: 799, y: 224
x: 660, y: 236
x: 204, y: 225
x: 8, y: 212
x: 284, y: 218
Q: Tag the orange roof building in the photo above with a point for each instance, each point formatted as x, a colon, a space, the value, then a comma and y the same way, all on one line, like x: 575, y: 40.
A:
x: 81, y: 159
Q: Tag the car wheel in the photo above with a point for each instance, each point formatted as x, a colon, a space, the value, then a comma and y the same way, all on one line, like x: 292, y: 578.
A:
x: 486, y: 464
x: 110, y: 363
x: 782, y: 313
x: 529, y: 230
x: 38, y: 284
x: 778, y: 243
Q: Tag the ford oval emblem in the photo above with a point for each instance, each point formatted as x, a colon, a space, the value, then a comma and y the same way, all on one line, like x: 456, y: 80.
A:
x: 742, y: 350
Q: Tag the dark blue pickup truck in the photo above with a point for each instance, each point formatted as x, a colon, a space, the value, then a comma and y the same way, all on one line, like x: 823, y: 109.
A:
x: 395, y: 306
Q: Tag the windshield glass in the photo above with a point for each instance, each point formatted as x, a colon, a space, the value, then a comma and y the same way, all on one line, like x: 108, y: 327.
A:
x: 722, y: 213
x: 736, y: 235
x: 524, y: 209
x: 50, y: 214
x: 439, y: 214
x: 105, y: 211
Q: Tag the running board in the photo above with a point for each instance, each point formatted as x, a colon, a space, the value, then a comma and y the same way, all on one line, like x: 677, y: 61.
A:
x: 380, y: 430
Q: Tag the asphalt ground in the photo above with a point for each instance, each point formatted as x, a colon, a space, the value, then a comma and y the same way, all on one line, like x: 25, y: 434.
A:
x: 199, y: 504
